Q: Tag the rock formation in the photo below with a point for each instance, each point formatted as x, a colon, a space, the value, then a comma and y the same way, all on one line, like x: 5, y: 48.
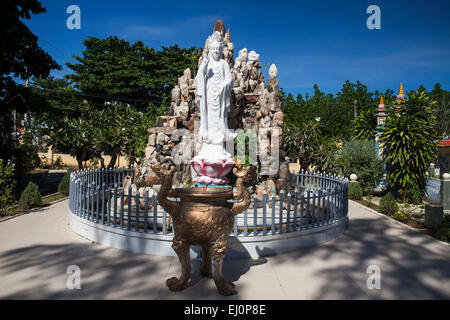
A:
x: 254, y: 105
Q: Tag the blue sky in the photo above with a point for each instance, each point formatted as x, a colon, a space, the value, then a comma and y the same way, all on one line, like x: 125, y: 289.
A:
x: 323, y: 42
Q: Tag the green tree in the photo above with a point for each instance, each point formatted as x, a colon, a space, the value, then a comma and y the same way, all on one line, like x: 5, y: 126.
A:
x: 119, y: 130
x: 21, y: 58
x: 74, y: 136
x: 364, y: 126
x: 112, y: 69
x: 442, y: 97
x: 306, y: 143
x: 409, y: 142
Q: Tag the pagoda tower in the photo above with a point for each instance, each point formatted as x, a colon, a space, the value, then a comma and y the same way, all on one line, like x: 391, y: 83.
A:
x: 400, y: 100
x: 381, y: 120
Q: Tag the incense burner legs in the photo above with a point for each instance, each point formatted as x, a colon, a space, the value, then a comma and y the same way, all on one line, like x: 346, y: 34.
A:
x: 204, y: 218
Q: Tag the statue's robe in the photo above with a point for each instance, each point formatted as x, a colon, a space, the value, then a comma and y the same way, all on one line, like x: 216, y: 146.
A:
x: 214, y: 82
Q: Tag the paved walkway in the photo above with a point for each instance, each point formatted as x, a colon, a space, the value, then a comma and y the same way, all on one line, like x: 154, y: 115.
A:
x: 37, y: 248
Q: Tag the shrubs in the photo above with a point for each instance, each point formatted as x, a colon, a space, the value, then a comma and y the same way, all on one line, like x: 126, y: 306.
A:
x: 359, y: 157
x: 355, y: 191
x: 388, y: 205
x: 400, y: 216
x: 31, y: 197
x: 7, y: 184
x: 64, y: 184
x: 415, y: 195
x: 443, y: 231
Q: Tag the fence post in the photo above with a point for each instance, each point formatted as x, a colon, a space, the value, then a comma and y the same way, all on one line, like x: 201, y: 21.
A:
x: 155, y: 211
x: 164, y: 222
x: 145, y: 209
x: 88, y: 196
x: 116, y: 195
x: 138, y: 204
x: 273, y: 212
x: 308, y: 208
x: 109, y: 205
x: 130, y: 200
x: 255, y: 215
x: 295, y: 207
x: 288, y: 219
x: 122, y: 206
x: 281, y: 211
x: 103, y: 204
x: 314, y: 212
x: 245, y: 223
x: 301, y: 180
x: 264, y: 213
x: 302, y: 204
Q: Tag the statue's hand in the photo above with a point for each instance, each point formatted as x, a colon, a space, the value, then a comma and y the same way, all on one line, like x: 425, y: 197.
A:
x: 206, y: 58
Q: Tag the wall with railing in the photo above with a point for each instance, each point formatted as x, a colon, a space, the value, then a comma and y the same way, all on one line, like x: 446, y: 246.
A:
x: 317, y: 202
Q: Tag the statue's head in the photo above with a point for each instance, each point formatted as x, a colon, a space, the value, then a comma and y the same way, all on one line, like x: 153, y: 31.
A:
x: 215, y: 46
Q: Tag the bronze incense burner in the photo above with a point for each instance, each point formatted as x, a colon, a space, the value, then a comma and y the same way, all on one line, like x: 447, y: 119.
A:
x: 203, y: 217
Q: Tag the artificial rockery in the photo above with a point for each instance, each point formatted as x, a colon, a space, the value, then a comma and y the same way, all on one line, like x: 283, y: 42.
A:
x: 254, y: 107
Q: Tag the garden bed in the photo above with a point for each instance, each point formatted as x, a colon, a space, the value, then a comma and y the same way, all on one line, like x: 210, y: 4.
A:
x: 46, y: 201
x: 411, y: 222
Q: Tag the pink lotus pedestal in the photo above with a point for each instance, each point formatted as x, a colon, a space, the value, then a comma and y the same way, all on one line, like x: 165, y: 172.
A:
x: 211, y: 171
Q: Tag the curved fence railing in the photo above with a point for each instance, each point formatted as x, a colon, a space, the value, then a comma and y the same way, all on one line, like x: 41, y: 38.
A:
x: 98, y: 195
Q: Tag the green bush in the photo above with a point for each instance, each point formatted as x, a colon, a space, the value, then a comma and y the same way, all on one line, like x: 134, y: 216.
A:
x: 359, y: 157
x: 355, y: 192
x: 64, y: 184
x: 400, y: 216
x: 415, y: 196
x: 443, y: 231
x: 7, y: 184
x: 25, y: 158
x: 30, y: 197
x: 388, y: 205
x: 59, y: 163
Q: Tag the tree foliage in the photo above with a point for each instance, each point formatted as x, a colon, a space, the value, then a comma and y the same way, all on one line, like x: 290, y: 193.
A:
x: 21, y: 58
x: 409, y: 142
x: 113, y: 69
x: 7, y: 185
x: 364, y: 126
x: 306, y: 143
x: 116, y: 130
x: 359, y: 157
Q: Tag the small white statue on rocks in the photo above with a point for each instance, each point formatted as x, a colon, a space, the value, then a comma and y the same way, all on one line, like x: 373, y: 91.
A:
x: 273, y: 71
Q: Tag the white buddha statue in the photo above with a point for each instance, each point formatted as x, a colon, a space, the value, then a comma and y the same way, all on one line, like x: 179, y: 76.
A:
x: 214, y: 82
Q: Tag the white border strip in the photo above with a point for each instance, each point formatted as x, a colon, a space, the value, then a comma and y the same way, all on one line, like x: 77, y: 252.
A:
x: 238, y: 247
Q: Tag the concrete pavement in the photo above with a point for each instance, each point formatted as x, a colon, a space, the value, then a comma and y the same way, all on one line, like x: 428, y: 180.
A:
x: 37, y: 248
